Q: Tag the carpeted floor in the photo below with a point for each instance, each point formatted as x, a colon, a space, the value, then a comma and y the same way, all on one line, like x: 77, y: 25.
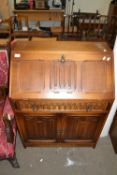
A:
x: 64, y: 161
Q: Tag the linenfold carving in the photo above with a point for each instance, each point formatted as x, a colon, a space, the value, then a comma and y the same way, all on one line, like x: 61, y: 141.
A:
x: 63, y: 76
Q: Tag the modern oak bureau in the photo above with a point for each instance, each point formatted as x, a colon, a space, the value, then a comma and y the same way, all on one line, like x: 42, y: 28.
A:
x: 61, y: 91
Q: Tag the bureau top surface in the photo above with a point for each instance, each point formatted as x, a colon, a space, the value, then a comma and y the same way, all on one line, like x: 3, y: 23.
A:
x: 54, y: 46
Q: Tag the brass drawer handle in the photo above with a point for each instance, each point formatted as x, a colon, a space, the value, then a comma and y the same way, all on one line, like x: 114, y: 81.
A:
x: 89, y: 108
x: 34, y: 107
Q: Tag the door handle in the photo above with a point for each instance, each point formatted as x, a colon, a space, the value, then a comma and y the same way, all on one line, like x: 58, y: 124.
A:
x: 35, y: 107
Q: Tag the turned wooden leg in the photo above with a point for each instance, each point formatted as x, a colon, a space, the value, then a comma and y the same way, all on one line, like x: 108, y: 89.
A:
x: 13, y: 161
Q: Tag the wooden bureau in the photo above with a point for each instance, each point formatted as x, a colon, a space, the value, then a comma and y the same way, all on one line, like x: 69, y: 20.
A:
x: 61, y: 91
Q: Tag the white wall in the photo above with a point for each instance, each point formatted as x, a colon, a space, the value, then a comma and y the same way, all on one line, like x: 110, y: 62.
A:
x: 91, y: 5
x: 114, y: 107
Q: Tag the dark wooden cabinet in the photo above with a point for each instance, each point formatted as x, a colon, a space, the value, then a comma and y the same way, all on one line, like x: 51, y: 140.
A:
x: 61, y: 91
x: 112, y: 10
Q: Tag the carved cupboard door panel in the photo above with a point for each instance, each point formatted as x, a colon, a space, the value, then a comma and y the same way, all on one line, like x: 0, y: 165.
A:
x: 37, y: 128
x: 82, y: 128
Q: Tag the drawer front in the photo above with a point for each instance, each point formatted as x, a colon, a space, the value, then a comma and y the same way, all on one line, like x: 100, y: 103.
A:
x: 60, y: 106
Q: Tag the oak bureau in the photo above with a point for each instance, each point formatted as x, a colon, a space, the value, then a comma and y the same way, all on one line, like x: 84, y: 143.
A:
x: 61, y: 91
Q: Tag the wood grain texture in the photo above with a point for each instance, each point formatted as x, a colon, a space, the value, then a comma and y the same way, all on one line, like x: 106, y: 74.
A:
x: 61, y: 91
x: 51, y: 77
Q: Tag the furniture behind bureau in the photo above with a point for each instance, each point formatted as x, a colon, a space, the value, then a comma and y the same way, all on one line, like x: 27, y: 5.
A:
x: 84, y: 26
x: 112, y: 9
x: 61, y: 91
x: 26, y: 18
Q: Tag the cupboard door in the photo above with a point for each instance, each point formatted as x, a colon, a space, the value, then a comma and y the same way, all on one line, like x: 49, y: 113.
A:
x: 84, y: 129
x: 37, y: 129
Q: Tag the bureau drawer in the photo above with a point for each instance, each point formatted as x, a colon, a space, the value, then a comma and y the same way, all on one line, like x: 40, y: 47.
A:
x: 61, y: 106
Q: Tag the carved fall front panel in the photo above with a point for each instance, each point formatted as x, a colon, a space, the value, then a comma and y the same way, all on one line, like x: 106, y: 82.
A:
x: 63, y: 76
x: 94, y: 76
x: 31, y: 75
x: 56, y: 77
